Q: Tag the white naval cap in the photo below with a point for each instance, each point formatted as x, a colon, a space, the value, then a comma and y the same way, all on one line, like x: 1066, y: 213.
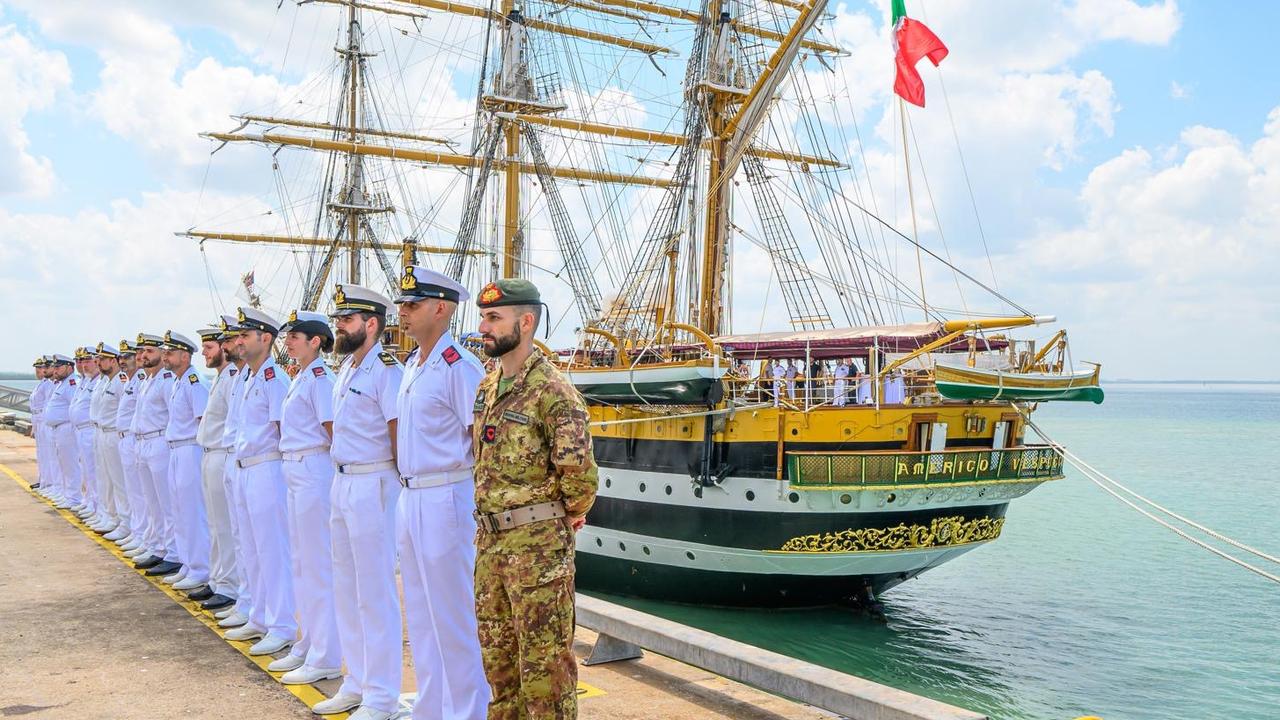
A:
x: 351, y: 299
x: 306, y: 321
x: 86, y: 352
x: 419, y: 283
x: 209, y: 334
x: 107, y: 350
x: 60, y: 359
x: 251, y: 318
x: 145, y: 340
x: 177, y: 341
x: 127, y: 348
x: 229, y: 325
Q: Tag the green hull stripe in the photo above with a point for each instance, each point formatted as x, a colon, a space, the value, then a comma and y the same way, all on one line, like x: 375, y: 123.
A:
x: 965, y: 391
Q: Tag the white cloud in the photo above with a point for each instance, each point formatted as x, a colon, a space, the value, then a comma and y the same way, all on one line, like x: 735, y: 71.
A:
x: 32, y: 78
x: 1178, y: 91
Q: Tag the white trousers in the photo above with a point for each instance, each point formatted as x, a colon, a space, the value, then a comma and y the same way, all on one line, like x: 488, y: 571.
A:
x: 111, y: 477
x: 133, y: 485
x: 186, y: 510
x: 223, y: 576
x: 46, y: 458
x: 238, y: 514
x: 88, y: 467
x: 842, y: 394
x: 153, y: 468
x: 310, y: 483
x: 436, y: 533
x: 364, y: 585
x: 267, y: 538
x: 68, y: 451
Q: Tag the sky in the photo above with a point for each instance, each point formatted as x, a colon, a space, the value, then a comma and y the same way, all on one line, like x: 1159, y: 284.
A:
x: 1124, y: 160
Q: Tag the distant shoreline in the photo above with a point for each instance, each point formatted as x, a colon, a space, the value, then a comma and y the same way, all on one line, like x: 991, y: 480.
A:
x: 1130, y: 381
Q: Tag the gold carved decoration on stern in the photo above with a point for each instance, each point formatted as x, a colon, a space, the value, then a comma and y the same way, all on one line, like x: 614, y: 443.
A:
x: 943, y: 531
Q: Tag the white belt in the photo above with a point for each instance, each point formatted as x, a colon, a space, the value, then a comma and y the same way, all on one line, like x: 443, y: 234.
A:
x: 82, y: 426
x: 106, y: 429
x: 417, y: 482
x: 149, y: 435
x: 366, y: 468
x: 175, y: 444
x: 297, y: 455
x: 217, y: 449
x: 257, y: 460
x: 57, y: 425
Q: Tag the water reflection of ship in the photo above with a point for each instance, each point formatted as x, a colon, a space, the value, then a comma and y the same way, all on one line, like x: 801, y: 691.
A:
x: 715, y: 487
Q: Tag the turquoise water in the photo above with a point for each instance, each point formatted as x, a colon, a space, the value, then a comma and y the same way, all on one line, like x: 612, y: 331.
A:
x: 1083, y: 606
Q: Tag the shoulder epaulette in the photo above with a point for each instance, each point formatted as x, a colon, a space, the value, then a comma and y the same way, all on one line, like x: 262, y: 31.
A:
x: 317, y: 371
x: 193, y: 378
x: 451, y: 355
x: 388, y: 359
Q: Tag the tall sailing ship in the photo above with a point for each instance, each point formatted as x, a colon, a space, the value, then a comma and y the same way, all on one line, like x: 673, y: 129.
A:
x: 897, y: 440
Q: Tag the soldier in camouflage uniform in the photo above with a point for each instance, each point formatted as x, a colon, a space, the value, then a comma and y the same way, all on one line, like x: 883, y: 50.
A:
x: 535, y: 480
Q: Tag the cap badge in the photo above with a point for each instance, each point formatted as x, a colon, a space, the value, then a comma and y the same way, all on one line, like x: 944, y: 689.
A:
x: 240, y: 315
x: 409, y: 281
x: 293, y: 316
x: 490, y: 294
x: 339, y: 296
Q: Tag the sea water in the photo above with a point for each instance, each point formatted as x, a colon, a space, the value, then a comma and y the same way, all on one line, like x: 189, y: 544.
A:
x: 1083, y: 606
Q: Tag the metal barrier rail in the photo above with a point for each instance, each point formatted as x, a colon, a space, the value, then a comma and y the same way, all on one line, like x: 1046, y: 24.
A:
x: 13, y: 398
x: 816, y: 469
x: 623, y: 632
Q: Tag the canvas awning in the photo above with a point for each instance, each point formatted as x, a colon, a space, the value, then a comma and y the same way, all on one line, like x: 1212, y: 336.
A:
x: 843, y: 342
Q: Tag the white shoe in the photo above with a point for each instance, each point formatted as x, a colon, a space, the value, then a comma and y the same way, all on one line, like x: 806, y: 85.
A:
x: 287, y: 663
x: 226, y: 612
x: 142, y: 557
x: 245, y: 632
x: 234, y: 620
x: 62, y: 504
x: 368, y: 713
x: 307, y: 675
x: 116, y: 534
x: 125, y: 539
x: 135, y: 552
x: 171, y: 579
x: 270, y: 645
x: 189, y: 583
x: 339, y: 703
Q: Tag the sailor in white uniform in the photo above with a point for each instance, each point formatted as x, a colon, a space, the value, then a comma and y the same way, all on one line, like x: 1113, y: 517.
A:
x: 779, y: 373
x: 188, y: 396
x: 306, y: 432
x: 237, y: 512
x: 221, y: 589
x: 257, y: 453
x: 842, y: 384
x: 44, y: 443
x: 57, y: 413
x: 106, y: 445
x: 128, y: 448
x: 150, y: 420
x: 365, y: 488
x: 434, y: 522
x: 87, y: 367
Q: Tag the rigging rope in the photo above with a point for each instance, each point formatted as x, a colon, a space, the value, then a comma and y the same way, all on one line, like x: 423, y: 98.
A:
x: 1100, y: 479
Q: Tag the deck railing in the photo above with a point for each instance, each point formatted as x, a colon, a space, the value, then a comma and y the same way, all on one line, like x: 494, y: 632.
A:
x: 821, y: 469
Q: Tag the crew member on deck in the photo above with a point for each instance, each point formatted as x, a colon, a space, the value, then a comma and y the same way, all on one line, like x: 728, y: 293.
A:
x: 149, y: 423
x: 220, y: 591
x: 434, y: 521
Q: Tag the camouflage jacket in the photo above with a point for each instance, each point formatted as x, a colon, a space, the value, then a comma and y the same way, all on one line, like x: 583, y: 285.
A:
x: 532, y: 445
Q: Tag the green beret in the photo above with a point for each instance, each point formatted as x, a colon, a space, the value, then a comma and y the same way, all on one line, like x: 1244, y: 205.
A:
x: 511, y: 291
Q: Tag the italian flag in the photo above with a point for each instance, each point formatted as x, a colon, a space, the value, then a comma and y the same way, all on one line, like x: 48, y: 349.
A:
x: 912, y: 41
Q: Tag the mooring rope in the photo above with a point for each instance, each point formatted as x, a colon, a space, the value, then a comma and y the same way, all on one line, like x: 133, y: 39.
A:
x: 1097, y: 477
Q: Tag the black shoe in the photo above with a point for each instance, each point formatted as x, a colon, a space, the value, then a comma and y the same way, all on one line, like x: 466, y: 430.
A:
x: 35, y: 486
x: 164, y: 568
x: 200, y: 593
x: 217, y: 602
x: 150, y: 563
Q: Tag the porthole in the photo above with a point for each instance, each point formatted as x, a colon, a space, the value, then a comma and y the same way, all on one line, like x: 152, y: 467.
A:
x: 668, y: 489
x: 846, y: 498
x: 891, y: 498
x: 795, y: 431
x: 689, y: 555
x: 642, y: 486
x: 599, y: 542
x: 622, y: 547
x: 751, y: 495
x: 697, y: 492
x: 794, y: 497
x: 645, y: 549
x: 608, y: 482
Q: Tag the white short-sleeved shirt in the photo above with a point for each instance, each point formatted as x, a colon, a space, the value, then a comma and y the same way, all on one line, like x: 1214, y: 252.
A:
x: 82, y: 398
x: 188, y: 397
x: 307, y: 404
x: 842, y: 371
x: 106, y: 400
x: 364, y: 401
x: 436, y: 404
x: 40, y: 398
x: 129, y: 399
x: 239, y: 377
x: 58, y: 409
x: 260, y: 411
x: 213, y: 424
x: 152, y: 412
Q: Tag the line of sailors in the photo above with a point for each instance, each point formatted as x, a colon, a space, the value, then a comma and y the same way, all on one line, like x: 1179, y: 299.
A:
x: 280, y: 503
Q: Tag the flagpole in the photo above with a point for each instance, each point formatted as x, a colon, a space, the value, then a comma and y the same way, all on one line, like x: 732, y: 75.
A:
x: 911, y: 199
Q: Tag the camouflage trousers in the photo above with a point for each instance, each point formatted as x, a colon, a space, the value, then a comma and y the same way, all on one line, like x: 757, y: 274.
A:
x: 524, y: 609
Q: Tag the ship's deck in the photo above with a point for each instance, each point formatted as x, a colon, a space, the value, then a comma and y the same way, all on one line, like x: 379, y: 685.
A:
x: 89, y: 636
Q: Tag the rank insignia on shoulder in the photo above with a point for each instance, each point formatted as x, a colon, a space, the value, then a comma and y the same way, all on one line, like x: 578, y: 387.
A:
x: 269, y: 374
x: 388, y: 359
x: 489, y: 434
x: 167, y: 375
x: 317, y: 371
x: 451, y: 355
x: 515, y: 417
x: 124, y: 377
x: 193, y: 378
x: 71, y: 382
x: 233, y: 372
x: 479, y: 407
